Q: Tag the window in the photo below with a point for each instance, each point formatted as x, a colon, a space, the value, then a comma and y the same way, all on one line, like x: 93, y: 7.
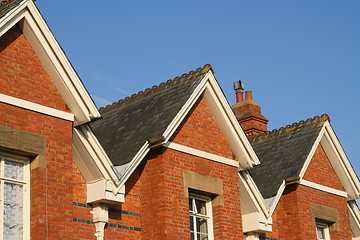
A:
x: 322, y: 231
x: 200, y: 217
x: 13, y: 212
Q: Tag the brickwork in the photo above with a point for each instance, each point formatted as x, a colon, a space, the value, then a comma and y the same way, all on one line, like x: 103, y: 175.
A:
x: 22, y: 74
x: 294, y: 217
x: 320, y: 171
x: 200, y: 131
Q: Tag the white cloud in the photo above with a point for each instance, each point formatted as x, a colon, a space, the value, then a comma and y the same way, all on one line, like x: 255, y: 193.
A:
x: 100, y: 102
x: 122, y: 91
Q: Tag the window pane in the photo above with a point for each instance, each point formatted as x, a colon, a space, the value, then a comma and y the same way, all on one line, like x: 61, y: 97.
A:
x: 14, y: 170
x: 13, y: 231
x: 201, y: 225
x: 192, y: 224
x: 13, y: 192
x: 13, y: 212
x: 200, y: 206
x: 191, y: 204
x: 320, y: 232
x: 192, y: 236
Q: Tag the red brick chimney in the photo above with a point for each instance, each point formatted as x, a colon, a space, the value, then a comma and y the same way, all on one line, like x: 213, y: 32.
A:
x: 248, y: 112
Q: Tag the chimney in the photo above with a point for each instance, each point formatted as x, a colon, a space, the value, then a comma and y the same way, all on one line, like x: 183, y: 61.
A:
x: 248, y: 112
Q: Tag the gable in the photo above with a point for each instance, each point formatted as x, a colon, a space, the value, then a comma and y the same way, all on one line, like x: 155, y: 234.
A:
x: 283, y: 152
x: 321, y: 171
x: 200, y: 131
x: 22, y: 75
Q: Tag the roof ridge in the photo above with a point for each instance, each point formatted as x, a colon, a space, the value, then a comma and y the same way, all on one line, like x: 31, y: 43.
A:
x: 156, y: 88
x: 324, y: 117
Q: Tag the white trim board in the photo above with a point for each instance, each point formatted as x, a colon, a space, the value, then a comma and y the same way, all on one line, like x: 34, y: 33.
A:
x: 36, y: 107
x: 202, y: 154
x: 323, y: 188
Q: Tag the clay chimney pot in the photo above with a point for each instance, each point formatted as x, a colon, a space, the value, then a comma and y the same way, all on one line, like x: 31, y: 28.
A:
x: 248, y: 95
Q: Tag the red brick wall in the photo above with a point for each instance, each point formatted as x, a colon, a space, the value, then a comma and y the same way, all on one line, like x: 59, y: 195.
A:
x: 294, y: 218
x: 22, y: 74
x: 200, y: 131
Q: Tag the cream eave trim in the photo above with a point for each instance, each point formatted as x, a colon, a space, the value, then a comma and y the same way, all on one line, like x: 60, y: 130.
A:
x: 134, y: 163
x: 202, y: 154
x: 354, y: 219
x: 79, y: 87
x: 97, y: 153
x: 229, y: 125
x: 234, y: 122
x: 36, y: 107
x: 323, y: 188
x: 277, y: 197
x: 254, y: 192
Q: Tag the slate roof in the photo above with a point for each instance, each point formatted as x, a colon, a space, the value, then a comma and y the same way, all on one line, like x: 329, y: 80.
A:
x: 126, y: 125
x: 283, y: 152
x: 7, y: 7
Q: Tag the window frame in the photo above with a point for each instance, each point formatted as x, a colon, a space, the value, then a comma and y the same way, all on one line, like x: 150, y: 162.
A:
x: 208, y: 215
x: 26, y: 190
x: 325, y: 228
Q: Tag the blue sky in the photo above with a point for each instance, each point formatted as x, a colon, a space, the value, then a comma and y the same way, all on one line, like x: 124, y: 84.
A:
x: 300, y: 58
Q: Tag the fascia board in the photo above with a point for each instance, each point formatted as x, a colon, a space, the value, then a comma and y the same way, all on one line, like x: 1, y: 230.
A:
x: 354, y: 219
x: 89, y: 170
x: 134, y: 163
x: 84, y: 139
x: 95, y: 144
x: 341, y: 163
x: 254, y: 193
x: 229, y: 126
x: 229, y: 114
x: 53, y: 58
x: 255, y: 214
x: 94, y: 113
x: 277, y: 198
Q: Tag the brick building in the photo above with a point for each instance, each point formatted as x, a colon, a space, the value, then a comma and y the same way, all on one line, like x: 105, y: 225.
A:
x: 171, y: 162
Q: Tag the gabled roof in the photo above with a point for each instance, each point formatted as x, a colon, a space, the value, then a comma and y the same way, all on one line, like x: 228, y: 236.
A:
x: 127, y: 124
x: 286, y: 153
x: 131, y: 127
x: 283, y: 153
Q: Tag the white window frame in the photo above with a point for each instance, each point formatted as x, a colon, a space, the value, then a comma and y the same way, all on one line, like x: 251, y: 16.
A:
x: 26, y: 191
x: 208, y: 215
x: 325, y: 228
